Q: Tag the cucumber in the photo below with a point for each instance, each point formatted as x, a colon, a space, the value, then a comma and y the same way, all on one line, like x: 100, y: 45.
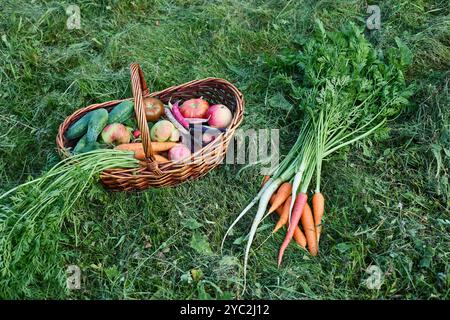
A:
x: 79, y: 128
x: 97, y: 122
x: 121, y: 113
x: 80, y: 145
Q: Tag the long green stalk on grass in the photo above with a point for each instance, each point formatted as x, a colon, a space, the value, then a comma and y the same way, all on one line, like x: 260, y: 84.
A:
x: 32, y: 213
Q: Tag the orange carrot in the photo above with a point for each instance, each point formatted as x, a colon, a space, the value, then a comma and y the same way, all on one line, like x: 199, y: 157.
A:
x: 129, y: 146
x: 138, y: 149
x: 310, y: 230
x: 137, y: 146
x: 160, y: 158
x: 272, y: 198
x: 284, y: 216
x: 265, y: 179
x: 163, y: 146
x: 139, y: 154
x: 318, y: 203
x: 283, y: 210
x: 283, y: 192
x: 297, y: 211
x: 299, y: 237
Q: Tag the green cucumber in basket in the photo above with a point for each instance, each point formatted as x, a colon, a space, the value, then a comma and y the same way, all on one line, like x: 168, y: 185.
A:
x: 97, y: 122
x: 80, y: 145
x: 121, y: 113
x: 79, y: 128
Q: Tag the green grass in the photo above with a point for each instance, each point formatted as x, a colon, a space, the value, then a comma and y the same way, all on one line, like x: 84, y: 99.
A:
x: 388, y: 202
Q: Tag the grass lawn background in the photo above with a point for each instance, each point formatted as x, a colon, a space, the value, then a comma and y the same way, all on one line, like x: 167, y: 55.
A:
x: 388, y: 203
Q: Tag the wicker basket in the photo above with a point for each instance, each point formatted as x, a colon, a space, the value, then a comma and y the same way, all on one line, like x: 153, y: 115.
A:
x: 154, y: 174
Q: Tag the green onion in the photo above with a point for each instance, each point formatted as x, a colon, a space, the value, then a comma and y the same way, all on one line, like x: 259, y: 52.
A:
x: 32, y: 214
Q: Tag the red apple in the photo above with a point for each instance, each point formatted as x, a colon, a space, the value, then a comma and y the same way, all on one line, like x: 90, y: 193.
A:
x: 208, y: 137
x: 219, y: 116
x: 194, y: 108
x: 179, y: 152
x: 116, y: 133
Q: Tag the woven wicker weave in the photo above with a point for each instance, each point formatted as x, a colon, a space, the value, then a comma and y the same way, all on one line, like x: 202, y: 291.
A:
x: 154, y: 174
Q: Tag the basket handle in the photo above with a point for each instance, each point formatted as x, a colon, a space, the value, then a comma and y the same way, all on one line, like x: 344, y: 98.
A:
x: 139, y: 88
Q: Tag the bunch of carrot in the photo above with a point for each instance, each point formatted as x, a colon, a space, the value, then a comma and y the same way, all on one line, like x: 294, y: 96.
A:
x: 311, y: 220
x: 346, y: 90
